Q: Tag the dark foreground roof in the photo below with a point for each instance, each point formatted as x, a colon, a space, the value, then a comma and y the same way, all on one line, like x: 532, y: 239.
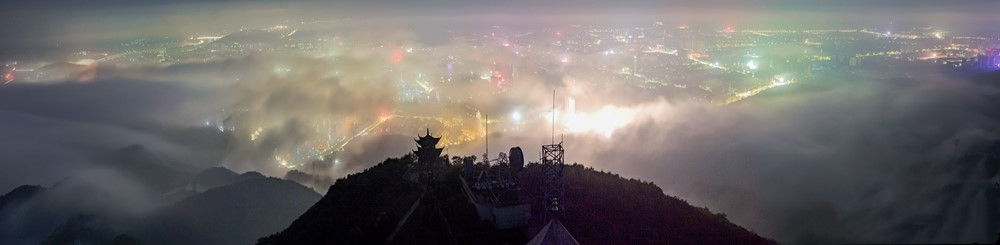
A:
x: 554, y: 233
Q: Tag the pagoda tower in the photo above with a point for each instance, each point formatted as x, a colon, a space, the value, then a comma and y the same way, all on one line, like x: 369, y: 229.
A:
x: 427, y: 154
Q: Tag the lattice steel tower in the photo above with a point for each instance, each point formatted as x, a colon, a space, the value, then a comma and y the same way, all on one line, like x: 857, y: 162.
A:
x: 552, y: 167
x: 552, y: 164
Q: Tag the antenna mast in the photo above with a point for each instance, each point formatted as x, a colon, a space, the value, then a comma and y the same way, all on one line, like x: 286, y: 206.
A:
x: 486, y: 156
x: 552, y: 168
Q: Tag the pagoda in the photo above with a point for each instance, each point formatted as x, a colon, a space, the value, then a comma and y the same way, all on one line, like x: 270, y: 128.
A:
x: 427, y: 154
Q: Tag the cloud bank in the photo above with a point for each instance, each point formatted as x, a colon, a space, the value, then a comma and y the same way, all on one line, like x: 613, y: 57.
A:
x: 846, y: 158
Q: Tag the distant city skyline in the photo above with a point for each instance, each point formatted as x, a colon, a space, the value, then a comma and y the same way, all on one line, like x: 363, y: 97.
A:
x: 803, y: 121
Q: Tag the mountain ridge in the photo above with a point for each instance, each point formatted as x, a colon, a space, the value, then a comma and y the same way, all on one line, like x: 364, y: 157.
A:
x: 602, y: 208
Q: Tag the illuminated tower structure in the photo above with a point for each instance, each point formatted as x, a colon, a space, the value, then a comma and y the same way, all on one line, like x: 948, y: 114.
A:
x: 635, y: 64
x: 427, y: 154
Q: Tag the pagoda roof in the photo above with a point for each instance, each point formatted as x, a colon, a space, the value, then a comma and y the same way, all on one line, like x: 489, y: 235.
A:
x: 428, y: 140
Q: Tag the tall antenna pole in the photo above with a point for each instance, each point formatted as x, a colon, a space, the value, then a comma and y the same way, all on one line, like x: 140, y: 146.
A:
x: 486, y: 156
x: 553, y: 157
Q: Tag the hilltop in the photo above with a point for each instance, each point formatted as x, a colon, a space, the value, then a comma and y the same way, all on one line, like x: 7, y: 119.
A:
x: 602, y: 208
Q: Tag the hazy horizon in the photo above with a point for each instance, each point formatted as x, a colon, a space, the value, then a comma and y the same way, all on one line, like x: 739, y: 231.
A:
x: 803, y: 121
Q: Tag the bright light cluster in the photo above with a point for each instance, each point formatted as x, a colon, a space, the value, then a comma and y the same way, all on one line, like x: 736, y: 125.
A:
x: 604, y: 121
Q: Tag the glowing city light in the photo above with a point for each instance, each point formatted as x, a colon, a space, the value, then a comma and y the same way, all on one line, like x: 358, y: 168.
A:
x: 256, y: 134
x: 516, y: 116
x: 603, y: 122
x: 781, y: 81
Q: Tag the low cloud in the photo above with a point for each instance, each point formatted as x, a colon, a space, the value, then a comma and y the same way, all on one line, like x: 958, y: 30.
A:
x: 843, y: 161
x: 848, y: 158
